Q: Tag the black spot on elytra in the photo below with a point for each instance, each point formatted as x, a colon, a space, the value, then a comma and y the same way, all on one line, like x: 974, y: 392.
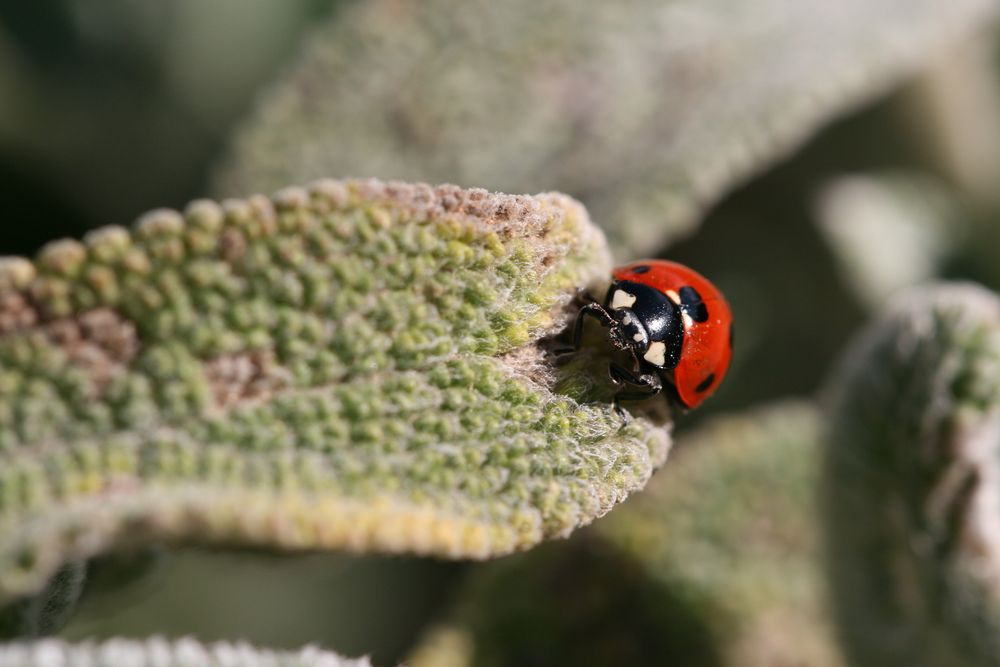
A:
x: 642, y: 268
x: 692, y: 304
x: 706, y: 383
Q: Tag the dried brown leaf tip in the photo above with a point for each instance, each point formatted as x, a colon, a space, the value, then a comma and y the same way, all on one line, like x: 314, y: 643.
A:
x: 348, y: 365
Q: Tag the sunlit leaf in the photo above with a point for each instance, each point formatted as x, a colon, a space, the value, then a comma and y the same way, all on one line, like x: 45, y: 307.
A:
x: 352, y: 366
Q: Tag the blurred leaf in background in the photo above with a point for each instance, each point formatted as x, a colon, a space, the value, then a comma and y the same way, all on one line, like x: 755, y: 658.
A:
x: 157, y: 651
x: 375, y: 606
x: 648, y: 112
x: 910, y: 482
x: 111, y: 108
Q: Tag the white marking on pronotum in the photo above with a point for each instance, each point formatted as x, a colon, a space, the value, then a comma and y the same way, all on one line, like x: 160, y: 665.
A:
x: 656, y: 354
x: 637, y: 337
x: 627, y: 319
x: 688, y: 322
x: 622, y: 299
x: 673, y: 296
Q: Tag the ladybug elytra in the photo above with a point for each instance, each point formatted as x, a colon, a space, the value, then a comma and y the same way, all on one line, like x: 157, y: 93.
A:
x: 675, y: 324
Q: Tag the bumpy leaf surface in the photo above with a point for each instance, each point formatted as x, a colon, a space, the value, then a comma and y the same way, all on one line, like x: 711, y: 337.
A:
x: 349, y: 366
x: 912, y: 484
x: 715, y: 563
x: 156, y: 652
x: 647, y: 111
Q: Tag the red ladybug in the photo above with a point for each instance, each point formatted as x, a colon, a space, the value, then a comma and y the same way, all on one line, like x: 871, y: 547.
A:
x: 676, y: 325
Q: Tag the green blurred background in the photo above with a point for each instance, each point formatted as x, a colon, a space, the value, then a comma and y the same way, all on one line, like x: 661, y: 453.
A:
x: 111, y: 108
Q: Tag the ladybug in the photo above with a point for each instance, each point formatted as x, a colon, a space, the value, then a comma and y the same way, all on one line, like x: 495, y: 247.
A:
x: 675, y: 324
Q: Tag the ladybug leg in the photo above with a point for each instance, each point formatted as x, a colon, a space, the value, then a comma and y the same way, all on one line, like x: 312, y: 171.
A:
x: 592, y: 309
x: 646, y: 385
x: 633, y: 396
x: 595, y: 310
x: 650, y: 381
x: 583, y: 296
x: 620, y: 375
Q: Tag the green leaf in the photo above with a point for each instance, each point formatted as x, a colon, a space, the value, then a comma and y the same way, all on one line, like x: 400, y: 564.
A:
x: 155, y: 652
x: 715, y: 563
x: 910, y: 483
x: 647, y: 111
x: 353, y: 366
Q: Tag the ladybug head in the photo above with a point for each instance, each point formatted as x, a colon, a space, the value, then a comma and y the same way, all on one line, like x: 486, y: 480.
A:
x: 628, y: 331
x: 646, y: 322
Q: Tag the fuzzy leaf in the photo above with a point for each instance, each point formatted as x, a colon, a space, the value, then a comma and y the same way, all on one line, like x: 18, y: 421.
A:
x: 353, y: 366
x: 912, y: 484
x: 156, y: 652
x: 646, y: 111
x: 715, y: 563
